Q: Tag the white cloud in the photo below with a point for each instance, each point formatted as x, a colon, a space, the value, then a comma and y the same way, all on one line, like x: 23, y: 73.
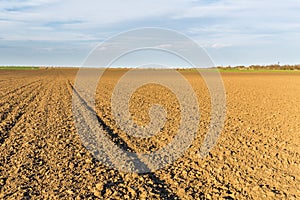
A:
x: 41, y: 18
x: 93, y: 11
x: 215, y: 24
x: 243, y: 8
x: 53, y: 18
x: 219, y: 45
x: 163, y: 46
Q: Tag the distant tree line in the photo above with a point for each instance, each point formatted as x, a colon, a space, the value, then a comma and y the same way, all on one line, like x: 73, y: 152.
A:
x: 262, y: 67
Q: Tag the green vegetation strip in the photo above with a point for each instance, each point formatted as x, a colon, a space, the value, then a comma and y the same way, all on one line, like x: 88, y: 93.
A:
x: 17, y: 68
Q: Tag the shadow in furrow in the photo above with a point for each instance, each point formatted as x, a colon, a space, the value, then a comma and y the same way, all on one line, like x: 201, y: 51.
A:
x: 159, y: 186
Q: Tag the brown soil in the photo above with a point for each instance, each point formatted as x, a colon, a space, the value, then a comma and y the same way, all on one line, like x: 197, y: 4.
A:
x: 257, y: 155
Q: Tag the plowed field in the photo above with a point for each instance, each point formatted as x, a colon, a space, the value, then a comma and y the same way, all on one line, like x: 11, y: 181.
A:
x: 257, y: 155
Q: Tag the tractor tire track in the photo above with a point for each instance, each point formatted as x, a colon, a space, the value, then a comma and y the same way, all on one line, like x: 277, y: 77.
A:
x: 159, y: 186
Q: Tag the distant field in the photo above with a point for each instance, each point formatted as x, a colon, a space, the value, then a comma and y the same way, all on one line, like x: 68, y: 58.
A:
x: 187, y: 69
x: 17, y: 68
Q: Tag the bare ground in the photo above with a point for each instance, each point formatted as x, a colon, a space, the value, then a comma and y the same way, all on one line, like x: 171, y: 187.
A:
x: 257, y: 155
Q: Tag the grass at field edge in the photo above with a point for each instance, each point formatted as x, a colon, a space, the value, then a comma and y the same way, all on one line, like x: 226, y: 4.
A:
x: 17, y: 68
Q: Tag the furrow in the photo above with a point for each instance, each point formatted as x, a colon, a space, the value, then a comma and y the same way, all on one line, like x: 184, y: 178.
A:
x: 11, y: 117
x: 15, y: 101
x: 12, y: 88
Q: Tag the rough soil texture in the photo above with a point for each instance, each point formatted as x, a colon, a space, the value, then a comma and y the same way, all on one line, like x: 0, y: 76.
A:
x: 257, y: 155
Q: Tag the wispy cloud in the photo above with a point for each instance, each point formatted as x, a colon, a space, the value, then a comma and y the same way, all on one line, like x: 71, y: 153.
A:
x: 215, y: 24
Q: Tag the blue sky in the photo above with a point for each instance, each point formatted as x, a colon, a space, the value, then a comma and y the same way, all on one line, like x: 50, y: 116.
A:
x: 243, y: 32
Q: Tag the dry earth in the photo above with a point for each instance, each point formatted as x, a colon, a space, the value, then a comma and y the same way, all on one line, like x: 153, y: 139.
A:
x: 257, y: 155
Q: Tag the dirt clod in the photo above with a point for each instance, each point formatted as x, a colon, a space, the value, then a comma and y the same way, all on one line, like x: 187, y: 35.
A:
x: 257, y: 156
